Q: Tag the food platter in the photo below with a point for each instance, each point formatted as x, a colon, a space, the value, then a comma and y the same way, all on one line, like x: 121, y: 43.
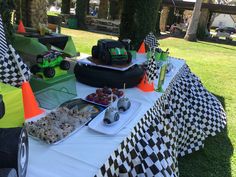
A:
x: 104, y: 96
x: 58, y: 125
x: 98, y: 125
x: 82, y: 104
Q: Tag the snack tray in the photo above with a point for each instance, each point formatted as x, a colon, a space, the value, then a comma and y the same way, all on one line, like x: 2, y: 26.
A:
x: 71, y: 133
x: 63, y: 139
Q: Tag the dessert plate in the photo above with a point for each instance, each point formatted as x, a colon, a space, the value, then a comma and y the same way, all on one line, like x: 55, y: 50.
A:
x: 102, y: 96
x: 98, y: 125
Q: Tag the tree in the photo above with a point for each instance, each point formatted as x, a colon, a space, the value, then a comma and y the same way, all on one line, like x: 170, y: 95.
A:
x: 65, y: 6
x: 6, y: 9
x: 115, y: 6
x: 138, y: 19
x: 33, y: 12
x: 50, y: 2
x: 204, y: 22
x: 103, y: 9
x: 191, y: 34
x: 87, y: 7
x: 37, y: 11
x: 127, y: 25
x: 81, y: 9
x: 202, y: 30
x: 158, y: 31
x: 172, y: 18
x: 164, y: 18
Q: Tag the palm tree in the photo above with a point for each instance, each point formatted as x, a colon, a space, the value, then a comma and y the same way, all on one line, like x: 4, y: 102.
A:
x: 191, y: 34
x: 38, y: 12
x: 33, y: 12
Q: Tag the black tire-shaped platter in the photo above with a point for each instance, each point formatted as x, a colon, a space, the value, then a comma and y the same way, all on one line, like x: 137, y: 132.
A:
x: 100, y: 77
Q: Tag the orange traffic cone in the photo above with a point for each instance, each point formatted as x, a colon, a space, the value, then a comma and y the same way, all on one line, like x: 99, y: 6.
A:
x: 31, y: 108
x: 21, y: 28
x: 145, y: 86
x: 142, y: 48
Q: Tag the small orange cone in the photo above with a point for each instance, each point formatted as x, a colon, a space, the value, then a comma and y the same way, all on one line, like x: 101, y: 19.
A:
x: 31, y: 108
x: 145, y: 86
x: 142, y: 48
x: 21, y: 28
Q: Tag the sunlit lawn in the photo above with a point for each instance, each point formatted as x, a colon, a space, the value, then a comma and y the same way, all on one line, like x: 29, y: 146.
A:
x: 215, y: 64
x: 52, y: 13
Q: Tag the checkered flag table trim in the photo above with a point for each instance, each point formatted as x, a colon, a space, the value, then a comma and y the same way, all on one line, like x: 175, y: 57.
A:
x: 176, y: 125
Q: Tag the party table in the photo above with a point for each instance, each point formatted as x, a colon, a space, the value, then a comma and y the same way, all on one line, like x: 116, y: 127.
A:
x: 167, y: 125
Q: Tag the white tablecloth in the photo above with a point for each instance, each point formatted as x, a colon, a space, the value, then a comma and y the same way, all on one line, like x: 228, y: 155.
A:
x: 82, y: 154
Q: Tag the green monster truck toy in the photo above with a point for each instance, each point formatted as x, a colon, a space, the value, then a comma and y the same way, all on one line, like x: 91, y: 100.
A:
x: 47, y: 62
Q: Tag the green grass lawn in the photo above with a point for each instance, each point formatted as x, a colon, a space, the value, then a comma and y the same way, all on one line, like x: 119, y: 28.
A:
x: 215, y: 64
x: 52, y: 13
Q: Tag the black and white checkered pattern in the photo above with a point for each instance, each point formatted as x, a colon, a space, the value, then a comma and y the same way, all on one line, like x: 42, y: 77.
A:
x: 177, y: 125
x: 9, y: 71
x: 152, y: 69
x: 151, y: 41
x: 3, y: 43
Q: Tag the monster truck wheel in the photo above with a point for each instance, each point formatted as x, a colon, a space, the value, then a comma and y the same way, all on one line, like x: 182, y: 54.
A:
x: 106, y: 57
x: 129, y: 57
x: 35, y: 69
x: 95, y: 52
x: 49, y: 72
x: 14, y: 149
x: 65, y: 65
x: 23, y: 153
x: 8, y: 172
